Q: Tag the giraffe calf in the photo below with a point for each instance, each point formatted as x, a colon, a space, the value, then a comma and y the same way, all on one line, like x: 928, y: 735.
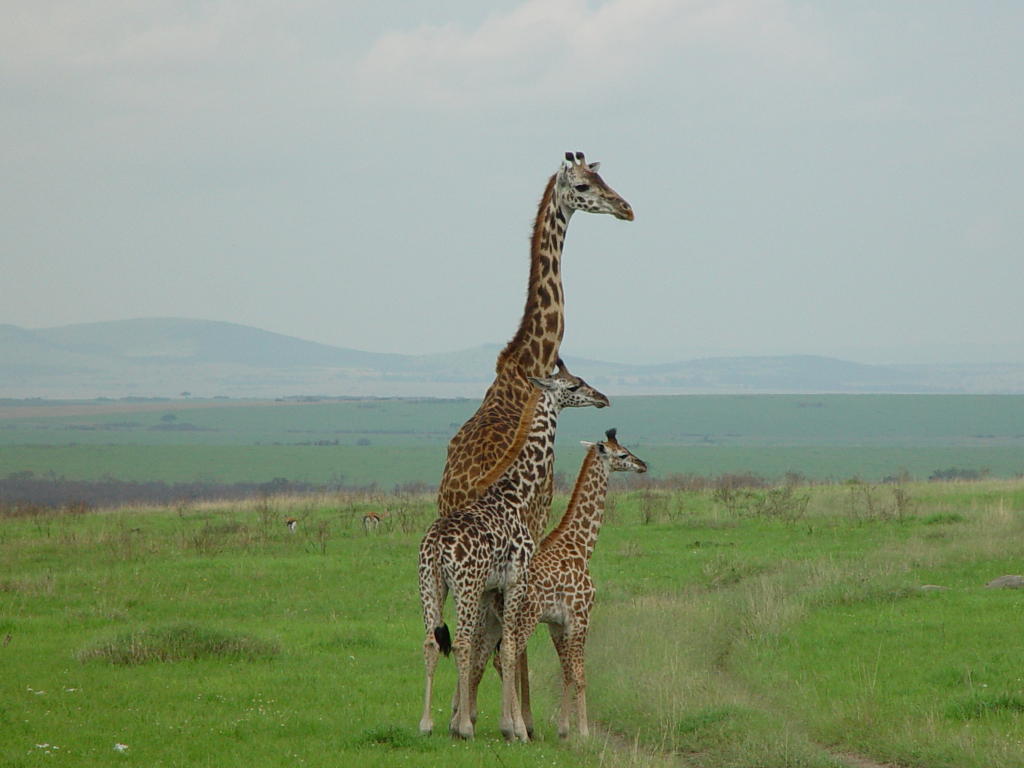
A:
x: 559, y: 589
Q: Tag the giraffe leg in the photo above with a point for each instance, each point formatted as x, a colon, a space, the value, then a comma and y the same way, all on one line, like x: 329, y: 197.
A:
x: 430, y: 654
x: 579, y: 676
x: 461, y: 725
x: 433, y: 593
x: 475, y: 675
x: 558, y: 638
x: 485, y: 639
x: 524, y: 693
x: 511, y: 723
x: 512, y: 643
x: 468, y: 607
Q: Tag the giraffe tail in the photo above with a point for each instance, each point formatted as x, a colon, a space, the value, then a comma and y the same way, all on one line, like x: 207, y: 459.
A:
x: 444, y: 639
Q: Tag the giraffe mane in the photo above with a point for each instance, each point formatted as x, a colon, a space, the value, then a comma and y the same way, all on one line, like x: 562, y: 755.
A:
x: 577, y: 489
x: 535, y: 245
x: 518, y: 441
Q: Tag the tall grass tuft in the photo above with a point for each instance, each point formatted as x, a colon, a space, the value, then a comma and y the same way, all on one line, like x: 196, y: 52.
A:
x: 178, y: 642
x: 979, y: 705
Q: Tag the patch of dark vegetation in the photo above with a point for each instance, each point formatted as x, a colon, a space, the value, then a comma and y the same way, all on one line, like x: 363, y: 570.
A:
x: 725, y: 571
x: 30, y: 509
x: 708, y: 726
x: 394, y: 737
x: 180, y: 427
x: 178, y: 642
x: 862, y: 592
x: 958, y: 473
x: 941, y: 518
x: 782, y: 503
x: 704, y: 718
x: 979, y: 705
x: 355, y: 641
x: 26, y: 494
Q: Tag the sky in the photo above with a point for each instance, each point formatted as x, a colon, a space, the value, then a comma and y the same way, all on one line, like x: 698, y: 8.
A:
x: 833, y: 178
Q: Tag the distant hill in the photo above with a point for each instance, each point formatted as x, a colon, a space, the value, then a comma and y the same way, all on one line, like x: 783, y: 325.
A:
x: 164, y: 357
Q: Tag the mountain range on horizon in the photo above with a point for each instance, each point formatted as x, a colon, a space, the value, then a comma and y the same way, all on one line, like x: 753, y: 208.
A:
x: 165, y: 357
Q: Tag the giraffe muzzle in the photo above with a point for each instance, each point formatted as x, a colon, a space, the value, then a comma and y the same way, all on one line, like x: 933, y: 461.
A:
x: 625, y: 211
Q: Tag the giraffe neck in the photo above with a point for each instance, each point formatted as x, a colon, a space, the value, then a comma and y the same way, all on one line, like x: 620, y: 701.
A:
x: 534, y: 348
x: 582, y: 520
x: 519, y: 483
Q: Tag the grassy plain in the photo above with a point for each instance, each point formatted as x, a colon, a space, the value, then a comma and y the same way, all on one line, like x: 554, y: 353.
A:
x: 777, y: 628
x: 388, y: 442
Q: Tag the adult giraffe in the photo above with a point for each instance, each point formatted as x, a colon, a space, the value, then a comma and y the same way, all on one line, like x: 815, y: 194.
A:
x: 486, y: 444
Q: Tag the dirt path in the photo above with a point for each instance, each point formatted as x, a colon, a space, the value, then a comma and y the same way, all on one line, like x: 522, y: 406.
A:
x: 632, y: 753
x: 857, y: 761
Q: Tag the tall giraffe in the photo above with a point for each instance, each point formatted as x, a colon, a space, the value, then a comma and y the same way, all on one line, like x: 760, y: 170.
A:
x: 485, y: 547
x: 490, y: 440
x: 558, y: 588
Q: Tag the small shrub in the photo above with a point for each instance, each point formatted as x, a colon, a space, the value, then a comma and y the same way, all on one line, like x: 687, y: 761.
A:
x: 781, y: 503
x: 323, y: 534
x: 653, y: 507
x: 611, y: 508
x: 736, y: 500
x: 865, y: 501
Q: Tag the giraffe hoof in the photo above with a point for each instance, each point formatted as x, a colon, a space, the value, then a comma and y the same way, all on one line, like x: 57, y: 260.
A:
x: 462, y: 732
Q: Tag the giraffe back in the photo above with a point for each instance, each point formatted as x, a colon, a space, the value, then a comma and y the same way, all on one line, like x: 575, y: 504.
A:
x: 499, y: 435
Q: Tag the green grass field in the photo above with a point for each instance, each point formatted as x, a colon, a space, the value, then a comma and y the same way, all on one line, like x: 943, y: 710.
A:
x: 786, y: 628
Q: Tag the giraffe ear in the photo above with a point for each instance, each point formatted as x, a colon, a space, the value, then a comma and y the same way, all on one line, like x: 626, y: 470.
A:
x: 542, y: 383
x: 594, y: 166
x: 587, y: 445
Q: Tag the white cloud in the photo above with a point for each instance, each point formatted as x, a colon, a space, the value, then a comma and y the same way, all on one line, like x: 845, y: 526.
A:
x: 547, y: 51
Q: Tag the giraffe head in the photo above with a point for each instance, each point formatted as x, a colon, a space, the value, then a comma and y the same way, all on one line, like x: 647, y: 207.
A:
x: 570, y: 391
x: 618, y: 457
x: 580, y: 188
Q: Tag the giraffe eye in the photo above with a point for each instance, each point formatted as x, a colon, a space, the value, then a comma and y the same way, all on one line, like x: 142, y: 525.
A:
x: 581, y: 187
x: 574, y: 387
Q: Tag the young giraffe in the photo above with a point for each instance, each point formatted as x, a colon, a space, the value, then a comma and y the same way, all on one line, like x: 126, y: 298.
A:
x: 485, y: 548
x: 487, y: 443
x: 559, y: 590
